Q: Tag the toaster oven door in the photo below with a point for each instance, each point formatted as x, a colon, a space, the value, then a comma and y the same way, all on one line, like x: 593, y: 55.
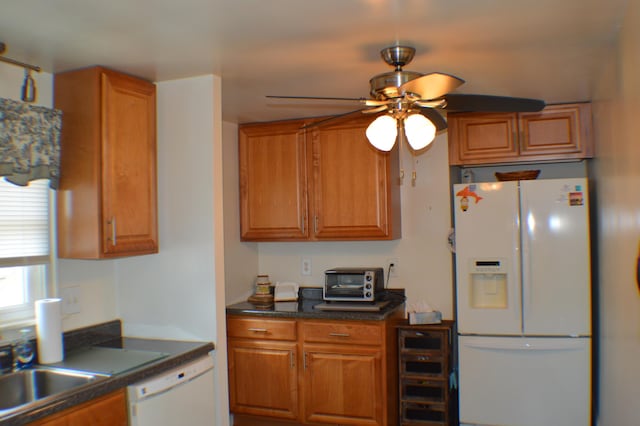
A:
x: 348, y: 287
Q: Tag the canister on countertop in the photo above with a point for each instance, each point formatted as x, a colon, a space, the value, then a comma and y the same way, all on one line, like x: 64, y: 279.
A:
x: 263, y: 296
x: 263, y: 285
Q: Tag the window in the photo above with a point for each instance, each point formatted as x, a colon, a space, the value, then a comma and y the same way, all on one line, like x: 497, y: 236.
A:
x: 24, y: 248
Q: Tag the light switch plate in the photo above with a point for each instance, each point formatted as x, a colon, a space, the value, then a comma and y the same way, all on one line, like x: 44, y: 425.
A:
x: 70, y: 300
x: 305, y: 266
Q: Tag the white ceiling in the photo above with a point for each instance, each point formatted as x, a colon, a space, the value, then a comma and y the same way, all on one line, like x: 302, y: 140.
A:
x: 547, y: 49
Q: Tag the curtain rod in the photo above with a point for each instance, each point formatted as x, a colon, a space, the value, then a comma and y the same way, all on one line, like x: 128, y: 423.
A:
x: 14, y: 62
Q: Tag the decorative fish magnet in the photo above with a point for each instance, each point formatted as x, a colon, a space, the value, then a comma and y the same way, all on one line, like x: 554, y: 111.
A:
x: 466, y: 193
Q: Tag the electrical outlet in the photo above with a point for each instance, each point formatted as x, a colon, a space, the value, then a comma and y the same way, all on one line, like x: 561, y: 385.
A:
x: 392, y: 267
x: 305, y: 267
x: 70, y: 300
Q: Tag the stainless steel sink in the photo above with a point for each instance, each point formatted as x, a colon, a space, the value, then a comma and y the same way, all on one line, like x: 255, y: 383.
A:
x: 26, y: 386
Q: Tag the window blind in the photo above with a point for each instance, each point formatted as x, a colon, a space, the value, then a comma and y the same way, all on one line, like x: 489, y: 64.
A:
x: 24, y: 223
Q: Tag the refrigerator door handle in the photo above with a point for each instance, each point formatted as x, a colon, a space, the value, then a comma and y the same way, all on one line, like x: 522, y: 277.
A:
x: 527, y: 228
x: 516, y: 344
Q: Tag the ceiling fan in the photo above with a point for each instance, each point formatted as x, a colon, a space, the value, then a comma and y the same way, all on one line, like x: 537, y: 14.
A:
x: 411, y: 101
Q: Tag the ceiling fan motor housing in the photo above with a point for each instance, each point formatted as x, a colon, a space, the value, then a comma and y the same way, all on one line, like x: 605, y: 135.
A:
x: 385, y: 86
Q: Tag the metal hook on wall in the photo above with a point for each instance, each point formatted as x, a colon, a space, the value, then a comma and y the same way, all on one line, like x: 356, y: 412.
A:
x: 28, y: 84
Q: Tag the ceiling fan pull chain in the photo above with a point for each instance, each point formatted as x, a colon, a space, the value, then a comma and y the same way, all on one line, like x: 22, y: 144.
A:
x: 401, y: 177
x: 414, y: 174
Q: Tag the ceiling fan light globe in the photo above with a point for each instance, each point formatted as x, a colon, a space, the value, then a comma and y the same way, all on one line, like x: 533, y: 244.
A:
x: 420, y: 131
x: 382, y: 132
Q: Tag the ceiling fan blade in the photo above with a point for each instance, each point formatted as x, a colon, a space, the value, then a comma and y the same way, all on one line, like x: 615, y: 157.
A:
x: 435, y: 117
x: 365, y: 101
x: 487, y: 103
x: 333, y: 118
x: 319, y: 98
x: 431, y: 86
x: 374, y: 110
x: 438, y: 103
x: 377, y: 102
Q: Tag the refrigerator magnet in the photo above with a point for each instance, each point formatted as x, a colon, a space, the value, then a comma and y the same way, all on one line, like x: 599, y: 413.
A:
x: 465, y: 193
x: 576, y: 199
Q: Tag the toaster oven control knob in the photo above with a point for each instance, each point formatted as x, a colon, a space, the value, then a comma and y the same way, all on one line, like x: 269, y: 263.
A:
x: 368, y: 294
x: 367, y: 286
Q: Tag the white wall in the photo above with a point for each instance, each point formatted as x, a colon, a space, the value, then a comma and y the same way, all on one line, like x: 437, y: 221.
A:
x: 241, y: 259
x: 172, y: 294
x: 95, y: 280
x: 177, y: 293
x: 424, y: 268
x: 617, y: 174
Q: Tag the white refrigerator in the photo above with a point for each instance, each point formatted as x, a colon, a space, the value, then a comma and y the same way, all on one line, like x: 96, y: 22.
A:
x: 523, y: 288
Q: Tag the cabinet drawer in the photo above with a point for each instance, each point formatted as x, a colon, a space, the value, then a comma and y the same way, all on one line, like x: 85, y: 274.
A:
x: 423, y: 340
x: 423, y: 365
x: 260, y: 328
x: 427, y: 414
x: 424, y: 390
x: 342, y: 332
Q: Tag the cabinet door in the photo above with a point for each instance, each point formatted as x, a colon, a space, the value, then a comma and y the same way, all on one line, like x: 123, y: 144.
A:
x: 273, y: 182
x: 108, y: 410
x: 263, y: 378
x: 343, y: 385
x: 106, y: 204
x: 128, y: 165
x: 476, y: 138
x: 557, y: 130
x: 351, y: 184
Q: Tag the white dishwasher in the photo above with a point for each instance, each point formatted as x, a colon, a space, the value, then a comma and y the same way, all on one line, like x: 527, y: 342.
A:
x: 184, y: 395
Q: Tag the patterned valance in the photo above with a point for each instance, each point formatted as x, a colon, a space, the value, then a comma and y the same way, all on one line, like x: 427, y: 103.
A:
x: 29, y: 142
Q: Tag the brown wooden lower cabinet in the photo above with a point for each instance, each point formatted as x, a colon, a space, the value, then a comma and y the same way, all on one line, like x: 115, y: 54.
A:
x: 265, y: 380
x: 342, y: 385
x: 315, y: 372
x: 107, y: 410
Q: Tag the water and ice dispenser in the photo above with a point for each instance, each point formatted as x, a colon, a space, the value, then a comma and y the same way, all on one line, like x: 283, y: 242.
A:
x: 488, y: 284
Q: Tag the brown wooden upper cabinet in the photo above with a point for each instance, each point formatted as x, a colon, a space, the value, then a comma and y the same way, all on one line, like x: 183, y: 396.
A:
x: 323, y: 183
x: 106, y: 204
x: 557, y: 133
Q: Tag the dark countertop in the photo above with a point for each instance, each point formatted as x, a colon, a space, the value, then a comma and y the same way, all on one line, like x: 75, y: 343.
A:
x: 178, y: 353
x: 312, y: 296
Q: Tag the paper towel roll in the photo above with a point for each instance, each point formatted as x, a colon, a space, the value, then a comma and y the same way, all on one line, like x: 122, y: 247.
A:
x: 49, y: 330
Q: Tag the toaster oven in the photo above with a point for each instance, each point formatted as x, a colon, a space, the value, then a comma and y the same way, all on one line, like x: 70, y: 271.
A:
x: 353, y: 284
